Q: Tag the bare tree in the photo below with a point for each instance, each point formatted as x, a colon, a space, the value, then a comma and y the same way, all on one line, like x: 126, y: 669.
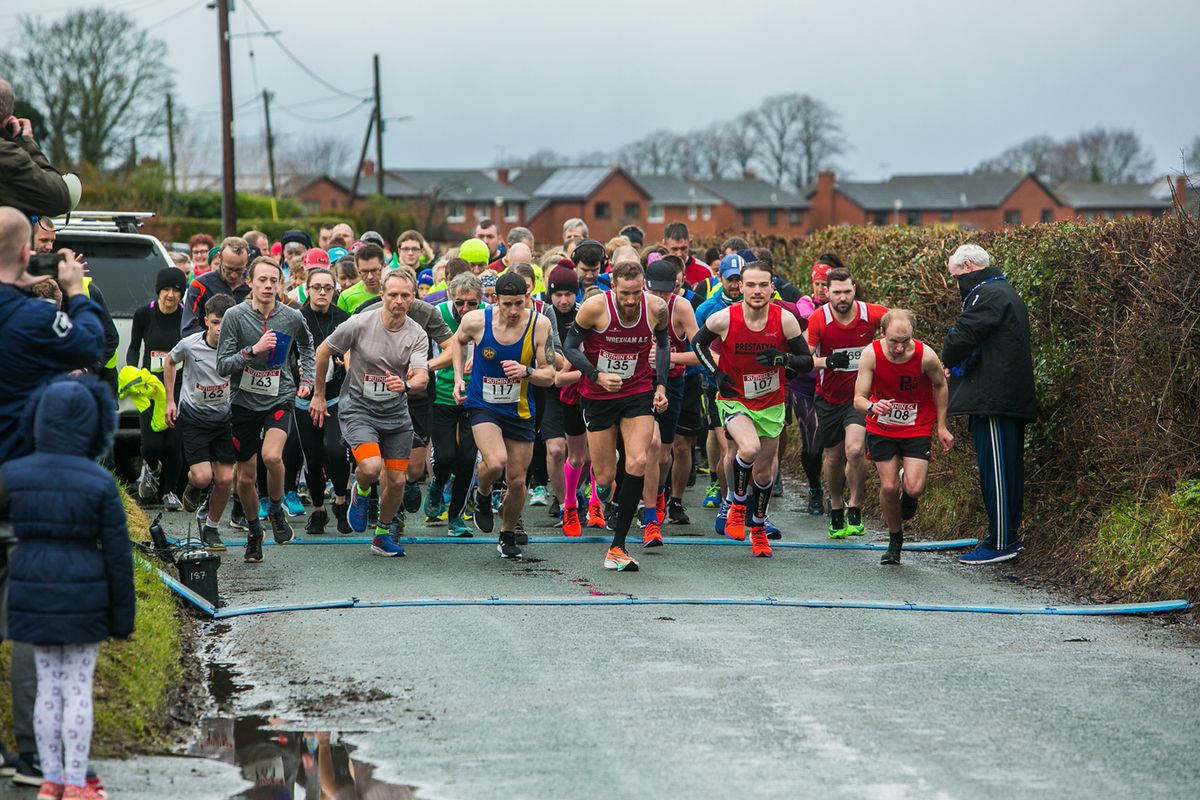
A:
x: 741, y: 138
x: 684, y: 155
x: 317, y: 154
x: 1191, y: 157
x: 99, y: 80
x: 778, y: 123
x: 1113, y: 155
x: 712, y: 152
x: 819, y: 139
x: 652, y: 154
x: 539, y: 158
x: 1041, y: 155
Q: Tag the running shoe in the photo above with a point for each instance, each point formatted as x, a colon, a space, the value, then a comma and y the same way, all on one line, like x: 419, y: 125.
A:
x: 49, y: 790
x: 212, y: 539
x: 677, y: 513
x: 239, y: 521
x: 191, y: 498
x: 507, y: 546
x: 82, y: 793
x: 610, y: 515
x: 538, y: 496
x: 895, y: 542
x: 522, y: 536
x: 652, y: 536
x: 292, y: 504
x: 702, y: 466
x: 986, y: 555
x: 735, y: 522
x: 281, y: 529
x: 554, y: 510
x: 816, y: 502
x: 856, y: 530
x: 264, y: 506
x: 398, y: 523
x: 616, y: 558
x: 712, y: 497
x: 570, y: 522
x: 722, y: 514
x: 772, y: 531
x: 908, y: 506
x: 777, y: 487
x: 386, y: 546
x: 638, y: 517
x: 458, y: 529
x: 661, y: 506
x: 412, y: 498
x: 760, y: 545
x: 837, y: 533
x: 497, y: 500
x: 358, y: 514
x: 253, y: 554
x: 317, y: 522
x: 435, y: 505
x: 171, y: 502
x: 302, y: 491
x: 147, y: 484
x: 202, y: 514
x: 595, y: 518
x: 485, y: 520
x: 343, y: 523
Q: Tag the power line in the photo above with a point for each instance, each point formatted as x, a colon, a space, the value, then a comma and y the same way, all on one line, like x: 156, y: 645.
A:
x: 333, y: 118
x: 303, y: 67
x: 178, y: 13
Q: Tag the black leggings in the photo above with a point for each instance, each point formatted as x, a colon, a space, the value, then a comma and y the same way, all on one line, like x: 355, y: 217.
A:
x: 454, y: 452
x: 163, y: 449
x: 324, y: 455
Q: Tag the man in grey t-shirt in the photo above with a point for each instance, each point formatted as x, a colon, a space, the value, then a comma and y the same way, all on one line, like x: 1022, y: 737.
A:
x: 388, y: 359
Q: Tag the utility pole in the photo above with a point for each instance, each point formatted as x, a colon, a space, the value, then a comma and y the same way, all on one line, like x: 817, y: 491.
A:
x: 171, y: 141
x: 228, y: 191
x: 270, y: 142
x: 378, y: 133
x: 362, y: 156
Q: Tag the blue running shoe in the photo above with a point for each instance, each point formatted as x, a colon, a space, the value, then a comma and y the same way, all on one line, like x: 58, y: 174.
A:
x: 986, y: 555
x: 712, y: 498
x: 264, y: 507
x: 435, y: 504
x: 357, y: 514
x: 497, y: 500
x: 722, y: 513
x: 386, y: 546
x: 459, y: 529
x: 291, y: 502
x: 772, y: 531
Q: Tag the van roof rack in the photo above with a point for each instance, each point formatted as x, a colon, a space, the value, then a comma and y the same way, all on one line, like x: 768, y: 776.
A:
x: 118, y: 221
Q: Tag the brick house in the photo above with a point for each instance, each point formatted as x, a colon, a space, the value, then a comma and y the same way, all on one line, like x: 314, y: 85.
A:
x: 1096, y: 201
x: 987, y: 200
x: 606, y: 198
x: 752, y: 205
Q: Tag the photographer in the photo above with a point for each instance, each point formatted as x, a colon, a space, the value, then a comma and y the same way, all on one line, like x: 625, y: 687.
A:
x: 27, y: 180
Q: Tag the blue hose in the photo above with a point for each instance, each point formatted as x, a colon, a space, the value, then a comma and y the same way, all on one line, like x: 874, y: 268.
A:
x: 951, y: 544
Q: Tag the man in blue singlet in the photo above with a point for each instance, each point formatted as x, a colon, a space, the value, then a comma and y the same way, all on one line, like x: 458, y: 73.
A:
x: 511, y: 351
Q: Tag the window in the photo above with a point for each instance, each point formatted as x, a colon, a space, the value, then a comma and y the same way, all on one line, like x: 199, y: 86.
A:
x: 772, y: 217
x: 655, y: 213
x: 912, y: 218
x: 456, y: 212
x: 481, y: 211
x: 706, y: 213
x: 313, y: 207
x: 512, y: 212
x: 947, y: 216
x: 602, y: 210
x: 880, y: 217
x: 1047, y: 215
x: 795, y: 217
x: 633, y: 211
x: 125, y: 268
x: 747, y: 219
x: 693, y: 212
x: 1012, y: 216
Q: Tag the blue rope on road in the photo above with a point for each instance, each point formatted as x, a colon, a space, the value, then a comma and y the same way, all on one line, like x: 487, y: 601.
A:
x: 951, y: 544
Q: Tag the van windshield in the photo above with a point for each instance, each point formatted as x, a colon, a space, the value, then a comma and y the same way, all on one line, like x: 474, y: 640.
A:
x: 124, y: 269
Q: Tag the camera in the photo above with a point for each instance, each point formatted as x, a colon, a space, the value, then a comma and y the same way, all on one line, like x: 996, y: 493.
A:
x: 44, y: 264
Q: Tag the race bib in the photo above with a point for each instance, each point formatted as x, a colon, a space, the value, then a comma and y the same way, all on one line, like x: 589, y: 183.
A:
x: 211, y: 395
x: 501, y: 391
x: 855, y: 354
x: 375, y: 388
x: 620, y: 364
x: 760, y: 385
x: 901, y: 414
x: 157, y: 359
x: 260, y: 381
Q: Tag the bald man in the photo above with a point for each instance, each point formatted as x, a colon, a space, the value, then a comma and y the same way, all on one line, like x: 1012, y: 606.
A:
x: 519, y: 254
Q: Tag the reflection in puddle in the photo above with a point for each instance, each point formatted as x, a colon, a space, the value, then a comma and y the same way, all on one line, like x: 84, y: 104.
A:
x: 285, y: 763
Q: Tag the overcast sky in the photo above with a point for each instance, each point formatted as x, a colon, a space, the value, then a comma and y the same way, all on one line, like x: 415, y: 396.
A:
x: 921, y: 86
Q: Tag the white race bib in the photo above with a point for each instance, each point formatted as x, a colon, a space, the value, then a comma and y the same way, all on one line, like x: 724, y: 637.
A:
x: 620, y: 364
x: 260, y: 381
x: 375, y: 388
x: 901, y: 414
x: 855, y: 354
x: 157, y: 359
x: 760, y: 385
x: 211, y: 395
x: 501, y: 391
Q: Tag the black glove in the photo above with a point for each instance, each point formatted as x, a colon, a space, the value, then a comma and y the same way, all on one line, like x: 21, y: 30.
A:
x: 838, y: 360
x: 725, y: 384
x: 771, y: 357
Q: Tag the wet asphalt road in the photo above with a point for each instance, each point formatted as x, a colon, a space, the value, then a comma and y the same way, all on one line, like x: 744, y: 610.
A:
x: 686, y: 701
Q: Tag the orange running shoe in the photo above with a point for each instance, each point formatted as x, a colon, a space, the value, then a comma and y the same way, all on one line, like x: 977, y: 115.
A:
x: 595, y: 514
x: 735, y: 523
x: 618, y: 559
x: 570, y: 523
x: 760, y: 545
x: 662, y: 506
x: 652, y: 535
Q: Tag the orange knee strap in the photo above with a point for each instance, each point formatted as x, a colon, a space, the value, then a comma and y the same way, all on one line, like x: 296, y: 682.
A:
x: 395, y: 464
x: 365, y: 451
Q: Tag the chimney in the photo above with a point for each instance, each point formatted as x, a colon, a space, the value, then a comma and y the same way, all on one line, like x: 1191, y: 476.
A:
x: 368, y: 168
x: 1181, y: 190
x: 823, y: 200
x: 748, y: 174
x: 502, y: 175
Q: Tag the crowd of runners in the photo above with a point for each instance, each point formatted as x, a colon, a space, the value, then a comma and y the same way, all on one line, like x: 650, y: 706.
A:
x: 463, y: 390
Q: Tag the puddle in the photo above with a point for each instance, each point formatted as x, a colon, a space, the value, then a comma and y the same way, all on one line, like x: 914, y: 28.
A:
x: 283, y: 760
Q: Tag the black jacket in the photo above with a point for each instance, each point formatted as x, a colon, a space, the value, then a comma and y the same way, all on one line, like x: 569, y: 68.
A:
x: 990, y: 339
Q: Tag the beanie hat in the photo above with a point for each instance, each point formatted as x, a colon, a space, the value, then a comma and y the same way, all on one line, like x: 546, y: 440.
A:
x: 170, y: 278
x: 474, y: 251
x: 562, y: 279
x: 276, y: 250
x: 213, y: 253
x: 294, y: 235
x: 425, y: 278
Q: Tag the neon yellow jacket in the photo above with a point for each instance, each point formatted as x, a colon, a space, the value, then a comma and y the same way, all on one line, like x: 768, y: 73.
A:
x: 146, y: 391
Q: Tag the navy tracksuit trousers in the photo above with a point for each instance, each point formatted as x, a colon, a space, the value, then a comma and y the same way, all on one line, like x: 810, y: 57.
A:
x: 1000, y: 454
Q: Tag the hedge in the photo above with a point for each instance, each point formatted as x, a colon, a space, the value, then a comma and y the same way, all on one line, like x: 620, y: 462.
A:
x: 1112, y: 502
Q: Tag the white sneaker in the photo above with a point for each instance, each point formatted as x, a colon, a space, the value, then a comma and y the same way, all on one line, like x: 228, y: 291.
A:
x: 538, y: 496
x: 147, y: 486
x: 171, y: 502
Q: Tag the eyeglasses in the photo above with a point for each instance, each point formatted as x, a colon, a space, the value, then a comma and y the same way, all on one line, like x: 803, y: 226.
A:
x: 461, y: 303
x: 324, y: 287
x: 363, y: 272
x: 410, y: 249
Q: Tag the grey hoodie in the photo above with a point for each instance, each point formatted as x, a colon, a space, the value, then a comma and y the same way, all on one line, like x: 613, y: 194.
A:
x: 241, y: 328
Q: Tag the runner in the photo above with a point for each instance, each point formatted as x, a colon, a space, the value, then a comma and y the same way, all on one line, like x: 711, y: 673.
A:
x: 838, y: 334
x: 202, y: 413
x: 228, y: 277
x: 751, y: 393
x: 728, y: 293
x: 388, y: 359
x: 257, y: 340
x: 368, y: 262
x: 610, y: 343
x: 509, y: 340
x: 901, y: 387
x: 802, y: 396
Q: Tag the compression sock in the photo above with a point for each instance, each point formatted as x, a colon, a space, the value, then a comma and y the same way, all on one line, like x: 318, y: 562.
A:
x: 572, y: 475
x: 853, y: 515
x: 631, y: 492
x: 812, y: 467
x: 837, y: 518
x: 762, y: 496
x: 592, y: 477
x: 741, y: 479
x: 649, y: 515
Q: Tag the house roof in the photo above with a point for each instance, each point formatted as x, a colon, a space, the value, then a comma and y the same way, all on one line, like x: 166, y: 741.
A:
x: 752, y: 193
x: 934, y: 192
x: 454, y: 185
x: 668, y: 190
x: 1087, y: 195
x: 572, y: 183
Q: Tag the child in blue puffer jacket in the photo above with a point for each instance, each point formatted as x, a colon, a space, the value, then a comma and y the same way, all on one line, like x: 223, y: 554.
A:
x: 71, y: 579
